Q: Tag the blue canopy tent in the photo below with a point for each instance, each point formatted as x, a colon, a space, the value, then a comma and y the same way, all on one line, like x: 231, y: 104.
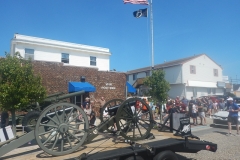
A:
x: 130, y: 88
x: 79, y: 86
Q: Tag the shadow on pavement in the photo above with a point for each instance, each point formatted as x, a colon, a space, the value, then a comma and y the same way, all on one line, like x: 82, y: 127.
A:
x: 180, y: 157
x: 222, y: 126
x: 43, y: 154
x: 20, y: 154
x: 223, y: 133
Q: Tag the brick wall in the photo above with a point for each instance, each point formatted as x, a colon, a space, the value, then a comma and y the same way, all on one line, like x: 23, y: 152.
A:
x: 55, y: 78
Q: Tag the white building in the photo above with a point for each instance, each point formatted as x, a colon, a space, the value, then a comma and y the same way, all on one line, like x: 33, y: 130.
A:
x: 192, y: 76
x: 58, y: 51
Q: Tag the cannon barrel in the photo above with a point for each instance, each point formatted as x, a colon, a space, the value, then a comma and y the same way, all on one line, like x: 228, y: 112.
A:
x: 55, y: 94
x: 60, y: 97
x: 113, y: 110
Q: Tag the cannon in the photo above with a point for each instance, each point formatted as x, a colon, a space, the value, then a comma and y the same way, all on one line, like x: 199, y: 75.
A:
x: 63, y: 127
x: 28, y: 121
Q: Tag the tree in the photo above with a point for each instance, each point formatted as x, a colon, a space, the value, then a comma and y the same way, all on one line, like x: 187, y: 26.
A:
x: 158, y: 86
x: 19, y: 86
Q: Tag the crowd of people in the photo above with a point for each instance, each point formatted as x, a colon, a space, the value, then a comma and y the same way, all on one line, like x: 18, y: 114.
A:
x: 91, y: 110
x: 195, y: 108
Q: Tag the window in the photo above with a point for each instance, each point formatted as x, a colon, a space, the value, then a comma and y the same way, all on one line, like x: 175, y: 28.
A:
x: 192, y: 69
x: 214, y: 90
x: 194, y: 92
x: 135, y: 76
x: 29, y: 53
x: 127, y: 77
x: 65, y: 57
x: 93, y: 61
x: 147, y: 73
x: 215, y: 72
x: 209, y: 90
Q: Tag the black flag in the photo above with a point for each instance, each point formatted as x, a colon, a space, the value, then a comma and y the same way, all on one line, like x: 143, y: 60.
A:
x: 140, y: 13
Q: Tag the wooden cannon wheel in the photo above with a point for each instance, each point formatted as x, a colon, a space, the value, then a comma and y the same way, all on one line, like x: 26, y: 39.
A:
x: 61, y: 129
x: 134, y: 121
x: 105, y: 116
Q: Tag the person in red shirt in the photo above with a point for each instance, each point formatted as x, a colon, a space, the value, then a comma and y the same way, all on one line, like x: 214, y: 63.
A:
x: 177, y: 102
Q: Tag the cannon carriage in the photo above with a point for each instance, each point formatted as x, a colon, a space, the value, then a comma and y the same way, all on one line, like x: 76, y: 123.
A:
x: 62, y: 128
x: 28, y: 116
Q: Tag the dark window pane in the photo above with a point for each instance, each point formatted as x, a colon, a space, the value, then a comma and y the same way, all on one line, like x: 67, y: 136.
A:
x: 93, y: 61
x: 65, y: 57
x: 29, y: 51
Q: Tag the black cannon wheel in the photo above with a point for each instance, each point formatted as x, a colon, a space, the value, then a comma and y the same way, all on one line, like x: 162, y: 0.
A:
x: 134, y: 123
x: 29, y: 120
x: 104, y: 116
x: 61, y: 129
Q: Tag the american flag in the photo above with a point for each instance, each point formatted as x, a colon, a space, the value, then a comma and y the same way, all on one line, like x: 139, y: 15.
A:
x: 136, y: 1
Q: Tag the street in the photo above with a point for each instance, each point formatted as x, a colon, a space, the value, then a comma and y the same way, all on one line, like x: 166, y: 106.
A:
x: 228, y: 147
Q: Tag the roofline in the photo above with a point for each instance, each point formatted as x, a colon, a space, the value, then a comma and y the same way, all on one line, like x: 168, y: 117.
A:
x: 169, y: 64
x: 18, y: 38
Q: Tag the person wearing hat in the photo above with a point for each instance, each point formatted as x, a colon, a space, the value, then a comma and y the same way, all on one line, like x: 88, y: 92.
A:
x: 87, y: 101
x: 233, y: 110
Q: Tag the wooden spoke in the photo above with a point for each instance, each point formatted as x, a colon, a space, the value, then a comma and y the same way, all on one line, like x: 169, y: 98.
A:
x: 134, y: 121
x: 60, y: 132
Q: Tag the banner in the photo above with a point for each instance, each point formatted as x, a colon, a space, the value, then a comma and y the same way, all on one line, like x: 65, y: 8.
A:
x: 140, y: 13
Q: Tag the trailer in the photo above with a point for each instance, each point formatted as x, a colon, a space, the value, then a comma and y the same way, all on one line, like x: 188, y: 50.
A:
x: 128, y: 133
x: 163, y: 147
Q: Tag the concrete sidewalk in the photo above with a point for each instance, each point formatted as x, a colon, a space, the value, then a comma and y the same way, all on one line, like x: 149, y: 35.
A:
x: 198, y: 127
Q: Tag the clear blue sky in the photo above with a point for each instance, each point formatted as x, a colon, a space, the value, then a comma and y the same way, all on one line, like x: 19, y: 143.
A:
x: 182, y: 28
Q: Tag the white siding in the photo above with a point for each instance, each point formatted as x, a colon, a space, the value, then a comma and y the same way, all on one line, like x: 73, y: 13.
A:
x: 130, y: 79
x: 199, y: 91
x: 178, y: 76
x: 139, y: 75
x: 189, y: 92
x: 176, y: 90
x: 219, y: 91
x: 204, y: 70
x: 173, y: 74
x: 202, y: 91
x: 51, y: 50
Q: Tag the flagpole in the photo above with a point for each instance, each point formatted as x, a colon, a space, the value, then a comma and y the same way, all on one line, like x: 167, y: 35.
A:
x: 151, y: 23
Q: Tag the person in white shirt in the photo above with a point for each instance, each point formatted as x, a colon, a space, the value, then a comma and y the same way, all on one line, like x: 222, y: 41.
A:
x: 88, y: 110
x: 194, y: 114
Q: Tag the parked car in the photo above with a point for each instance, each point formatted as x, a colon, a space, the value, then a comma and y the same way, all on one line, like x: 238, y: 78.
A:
x: 220, y: 118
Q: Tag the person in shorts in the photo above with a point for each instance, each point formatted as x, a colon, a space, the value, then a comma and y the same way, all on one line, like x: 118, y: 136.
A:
x: 201, y: 112
x: 190, y: 104
x: 194, y: 114
x: 233, y: 110
x: 153, y: 109
x: 210, y: 107
x: 221, y: 105
x: 92, y: 117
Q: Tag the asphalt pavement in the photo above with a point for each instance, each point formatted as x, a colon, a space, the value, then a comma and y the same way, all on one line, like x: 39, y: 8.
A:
x: 228, y: 146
